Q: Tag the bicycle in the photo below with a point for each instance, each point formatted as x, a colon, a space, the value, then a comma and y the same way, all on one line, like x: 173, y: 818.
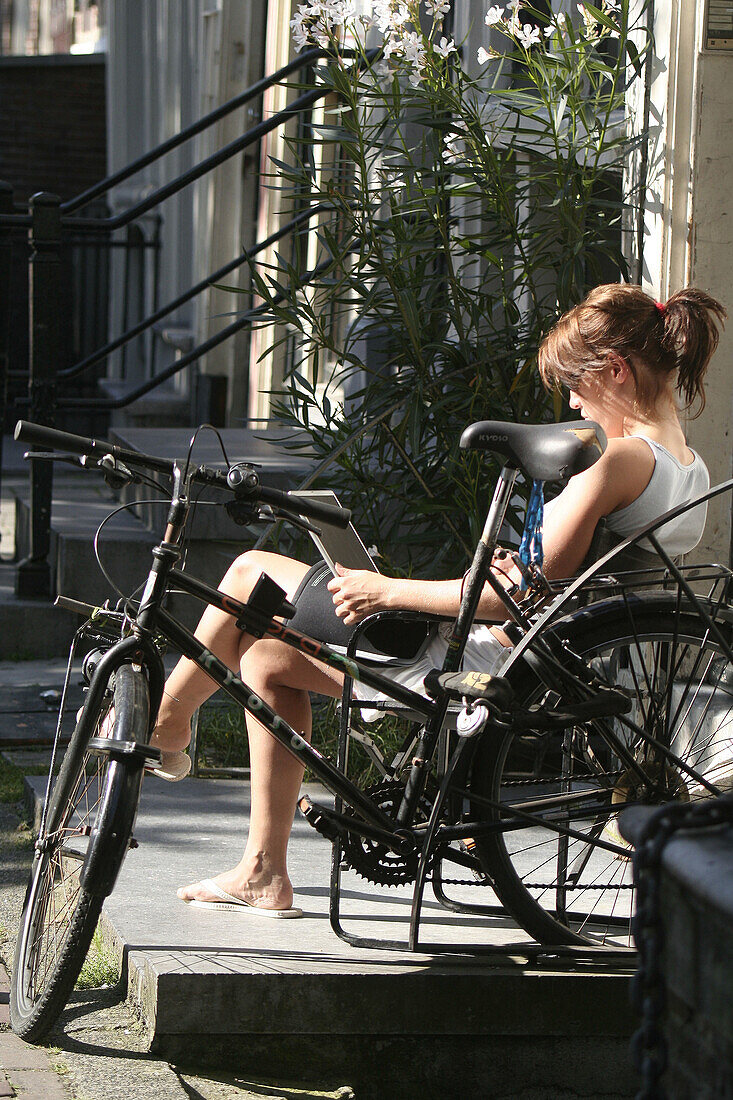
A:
x: 447, y: 800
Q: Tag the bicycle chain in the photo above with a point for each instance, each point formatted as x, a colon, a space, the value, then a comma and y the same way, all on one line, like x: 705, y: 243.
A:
x: 648, y: 1044
x: 575, y: 777
x: 535, y: 885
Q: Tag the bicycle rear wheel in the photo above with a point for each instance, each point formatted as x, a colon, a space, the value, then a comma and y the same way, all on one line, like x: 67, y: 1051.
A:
x: 59, y: 914
x: 566, y: 874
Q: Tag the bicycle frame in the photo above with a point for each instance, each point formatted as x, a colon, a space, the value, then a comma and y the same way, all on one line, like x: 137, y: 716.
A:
x: 152, y: 619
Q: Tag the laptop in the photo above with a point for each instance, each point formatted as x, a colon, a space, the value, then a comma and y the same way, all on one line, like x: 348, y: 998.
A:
x: 336, y: 544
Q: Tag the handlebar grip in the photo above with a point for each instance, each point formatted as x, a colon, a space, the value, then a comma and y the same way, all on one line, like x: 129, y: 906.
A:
x: 27, y: 432
x: 313, y: 509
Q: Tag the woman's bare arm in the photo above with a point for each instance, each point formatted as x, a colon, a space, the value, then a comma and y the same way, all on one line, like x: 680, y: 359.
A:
x: 616, y: 480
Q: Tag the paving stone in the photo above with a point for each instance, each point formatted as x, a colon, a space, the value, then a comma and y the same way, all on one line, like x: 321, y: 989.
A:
x: 6, y: 1089
x: 40, y: 1084
x: 17, y: 1055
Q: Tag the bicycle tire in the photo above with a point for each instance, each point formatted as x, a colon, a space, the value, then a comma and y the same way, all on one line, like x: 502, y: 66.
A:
x: 60, y: 914
x: 567, y: 891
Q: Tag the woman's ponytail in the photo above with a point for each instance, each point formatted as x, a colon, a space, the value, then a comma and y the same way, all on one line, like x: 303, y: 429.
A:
x: 657, y: 339
x: 690, y: 337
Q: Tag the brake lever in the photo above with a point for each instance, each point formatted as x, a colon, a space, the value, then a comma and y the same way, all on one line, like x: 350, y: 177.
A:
x: 115, y: 473
x: 54, y: 456
x: 297, y: 521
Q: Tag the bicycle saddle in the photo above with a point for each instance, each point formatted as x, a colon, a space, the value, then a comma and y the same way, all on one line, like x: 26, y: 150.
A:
x: 545, y: 452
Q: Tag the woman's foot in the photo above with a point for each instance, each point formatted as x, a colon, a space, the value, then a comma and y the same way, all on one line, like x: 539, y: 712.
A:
x: 171, y: 733
x: 171, y: 736
x: 174, y: 763
x: 260, y: 888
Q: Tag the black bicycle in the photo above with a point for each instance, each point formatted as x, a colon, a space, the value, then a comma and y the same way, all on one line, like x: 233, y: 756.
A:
x: 517, y: 779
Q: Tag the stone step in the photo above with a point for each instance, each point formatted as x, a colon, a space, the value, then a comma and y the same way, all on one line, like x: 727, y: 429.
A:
x: 31, y: 628
x: 241, y: 990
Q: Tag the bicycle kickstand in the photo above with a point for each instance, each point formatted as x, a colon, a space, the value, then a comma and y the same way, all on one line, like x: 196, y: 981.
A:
x: 471, y: 721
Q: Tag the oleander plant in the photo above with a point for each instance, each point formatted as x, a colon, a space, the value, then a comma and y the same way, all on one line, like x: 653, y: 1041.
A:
x: 464, y: 201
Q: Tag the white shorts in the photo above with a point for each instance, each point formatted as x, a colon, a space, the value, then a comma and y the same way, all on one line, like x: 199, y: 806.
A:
x: 483, y: 653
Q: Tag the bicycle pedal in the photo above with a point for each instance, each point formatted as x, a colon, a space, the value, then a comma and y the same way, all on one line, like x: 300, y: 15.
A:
x: 468, y: 847
x: 317, y: 817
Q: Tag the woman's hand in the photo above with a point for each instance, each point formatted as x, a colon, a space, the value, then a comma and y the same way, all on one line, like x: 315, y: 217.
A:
x: 358, y: 593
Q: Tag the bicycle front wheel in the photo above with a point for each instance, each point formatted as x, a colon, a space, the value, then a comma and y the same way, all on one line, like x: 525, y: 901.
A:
x: 565, y: 873
x: 59, y: 915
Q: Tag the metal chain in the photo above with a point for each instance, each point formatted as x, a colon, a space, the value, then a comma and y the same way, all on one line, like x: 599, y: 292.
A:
x: 574, y: 776
x: 537, y: 885
x: 648, y: 1044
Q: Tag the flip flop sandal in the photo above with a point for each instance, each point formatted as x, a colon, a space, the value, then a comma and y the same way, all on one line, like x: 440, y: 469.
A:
x: 230, y: 904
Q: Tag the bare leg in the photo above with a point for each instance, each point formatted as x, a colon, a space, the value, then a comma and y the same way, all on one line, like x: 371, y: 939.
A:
x: 187, y: 686
x: 283, y: 677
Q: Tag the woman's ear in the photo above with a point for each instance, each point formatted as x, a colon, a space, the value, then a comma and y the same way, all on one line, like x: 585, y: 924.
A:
x: 619, y: 368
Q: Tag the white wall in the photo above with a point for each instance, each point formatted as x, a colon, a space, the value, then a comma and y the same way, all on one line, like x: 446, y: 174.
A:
x: 689, y: 215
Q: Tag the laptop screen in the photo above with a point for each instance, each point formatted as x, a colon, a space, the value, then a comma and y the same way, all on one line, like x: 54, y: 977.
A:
x: 337, y: 544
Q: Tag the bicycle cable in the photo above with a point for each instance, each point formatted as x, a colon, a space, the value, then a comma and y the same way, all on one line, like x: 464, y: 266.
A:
x: 193, y: 439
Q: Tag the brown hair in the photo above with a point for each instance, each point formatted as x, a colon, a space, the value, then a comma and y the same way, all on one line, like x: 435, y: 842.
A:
x: 679, y: 336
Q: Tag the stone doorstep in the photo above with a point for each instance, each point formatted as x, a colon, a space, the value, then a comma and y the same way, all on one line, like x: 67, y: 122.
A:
x: 250, y: 991
x: 193, y: 973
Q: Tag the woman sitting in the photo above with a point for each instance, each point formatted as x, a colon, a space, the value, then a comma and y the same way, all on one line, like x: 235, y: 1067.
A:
x: 624, y: 358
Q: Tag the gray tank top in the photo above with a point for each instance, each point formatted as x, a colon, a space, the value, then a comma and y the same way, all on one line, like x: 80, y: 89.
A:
x: 671, y: 484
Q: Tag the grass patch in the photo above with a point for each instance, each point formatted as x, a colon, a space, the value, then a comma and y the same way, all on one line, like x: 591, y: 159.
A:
x: 12, y: 788
x: 223, y: 738
x: 101, y: 966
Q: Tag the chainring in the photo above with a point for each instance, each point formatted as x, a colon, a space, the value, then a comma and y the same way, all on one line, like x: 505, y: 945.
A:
x: 376, y: 862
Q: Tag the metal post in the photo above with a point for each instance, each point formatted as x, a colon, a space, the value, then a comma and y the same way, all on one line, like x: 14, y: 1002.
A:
x: 33, y: 577
x: 6, y: 260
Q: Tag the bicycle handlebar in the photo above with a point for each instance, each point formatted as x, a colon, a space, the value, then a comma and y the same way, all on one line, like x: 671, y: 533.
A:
x: 27, y: 432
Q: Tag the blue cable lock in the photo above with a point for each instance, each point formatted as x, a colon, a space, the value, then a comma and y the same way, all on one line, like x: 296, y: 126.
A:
x: 530, y: 548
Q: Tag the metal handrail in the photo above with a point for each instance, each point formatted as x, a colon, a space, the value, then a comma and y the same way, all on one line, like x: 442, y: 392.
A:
x: 193, y: 130
x: 148, y: 322
x: 243, y: 321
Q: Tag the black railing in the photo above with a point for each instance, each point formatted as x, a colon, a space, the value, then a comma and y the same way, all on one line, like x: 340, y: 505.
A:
x: 49, y: 222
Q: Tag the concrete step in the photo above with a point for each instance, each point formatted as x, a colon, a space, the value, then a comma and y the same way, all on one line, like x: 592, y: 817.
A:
x: 31, y: 628
x: 241, y: 990
x: 80, y: 504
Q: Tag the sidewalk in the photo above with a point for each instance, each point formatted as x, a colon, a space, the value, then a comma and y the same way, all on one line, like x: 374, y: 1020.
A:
x: 25, y: 1071
x: 289, y: 998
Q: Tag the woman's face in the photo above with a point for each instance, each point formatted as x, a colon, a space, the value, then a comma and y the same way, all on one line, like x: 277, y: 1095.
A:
x: 596, y: 398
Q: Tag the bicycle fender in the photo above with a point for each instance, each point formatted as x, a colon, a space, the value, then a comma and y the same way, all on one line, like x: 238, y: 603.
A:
x: 109, y: 840
x: 112, y: 829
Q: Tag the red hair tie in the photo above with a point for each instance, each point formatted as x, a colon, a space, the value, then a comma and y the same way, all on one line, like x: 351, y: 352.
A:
x: 661, y: 307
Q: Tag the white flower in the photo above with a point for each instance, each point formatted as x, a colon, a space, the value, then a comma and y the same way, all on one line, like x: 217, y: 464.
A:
x: 588, y: 19
x: 437, y: 8
x: 393, y: 45
x: 513, y: 24
x: 300, y: 34
x: 494, y: 15
x: 452, y: 152
x: 445, y: 47
x: 483, y: 56
x: 557, y: 25
x: 528, y: 35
